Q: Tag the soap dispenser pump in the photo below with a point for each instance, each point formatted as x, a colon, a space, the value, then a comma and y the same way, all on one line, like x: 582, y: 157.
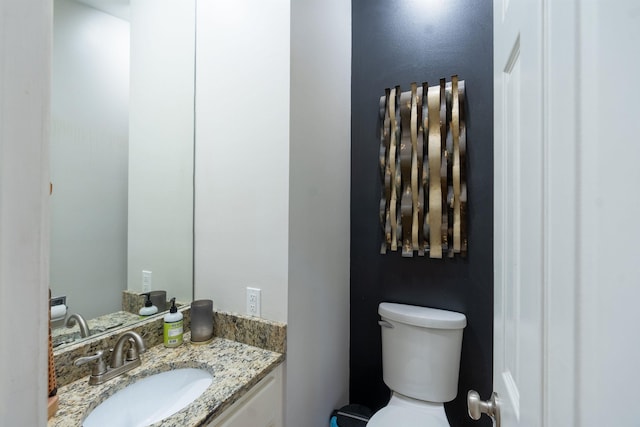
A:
x: 148, y: 308
x: 173, y: 326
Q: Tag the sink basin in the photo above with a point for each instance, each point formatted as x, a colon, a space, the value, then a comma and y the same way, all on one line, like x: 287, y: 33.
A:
x: 150, y: 399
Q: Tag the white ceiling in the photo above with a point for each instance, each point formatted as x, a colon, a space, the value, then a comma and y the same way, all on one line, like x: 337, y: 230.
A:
x: 117, y: 8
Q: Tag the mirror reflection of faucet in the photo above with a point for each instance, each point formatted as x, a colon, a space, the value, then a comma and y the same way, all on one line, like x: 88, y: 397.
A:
x: 68, y: 338
x: 82, y: 324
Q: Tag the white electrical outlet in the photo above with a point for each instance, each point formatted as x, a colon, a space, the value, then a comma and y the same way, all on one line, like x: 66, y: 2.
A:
x: 146, y: 280
x: 253, y: 301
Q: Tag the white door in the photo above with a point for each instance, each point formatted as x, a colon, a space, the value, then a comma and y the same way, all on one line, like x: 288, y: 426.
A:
x: 519, y: 177
x: 566, y: 212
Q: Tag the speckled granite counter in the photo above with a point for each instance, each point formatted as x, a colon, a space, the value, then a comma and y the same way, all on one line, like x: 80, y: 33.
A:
x: 236, y: 367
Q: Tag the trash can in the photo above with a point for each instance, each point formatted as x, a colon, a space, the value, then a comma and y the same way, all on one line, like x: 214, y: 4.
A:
x: 350, y: 416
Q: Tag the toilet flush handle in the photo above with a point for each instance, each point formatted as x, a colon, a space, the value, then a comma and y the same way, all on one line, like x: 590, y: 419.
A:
x: 385, y: 324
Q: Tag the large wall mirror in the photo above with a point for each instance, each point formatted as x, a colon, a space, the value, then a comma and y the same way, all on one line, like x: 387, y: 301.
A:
x: 122, y: 144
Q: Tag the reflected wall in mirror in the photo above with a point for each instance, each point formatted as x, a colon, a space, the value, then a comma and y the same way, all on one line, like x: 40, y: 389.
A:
x: 122, y: 144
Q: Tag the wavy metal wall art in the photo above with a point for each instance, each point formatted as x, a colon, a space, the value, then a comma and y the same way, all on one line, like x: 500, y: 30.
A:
x: 423, y: 207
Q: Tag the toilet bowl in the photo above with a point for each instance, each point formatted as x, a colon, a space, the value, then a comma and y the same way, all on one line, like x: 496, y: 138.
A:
x: 420, y: 364
x: 402, y: 411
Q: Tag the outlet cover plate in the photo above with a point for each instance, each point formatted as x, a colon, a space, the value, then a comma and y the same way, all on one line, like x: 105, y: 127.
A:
x: 146, y: 280
x: 253, y: 301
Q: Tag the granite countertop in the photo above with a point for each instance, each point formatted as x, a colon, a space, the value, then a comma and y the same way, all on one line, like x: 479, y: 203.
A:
x: 236, y: 367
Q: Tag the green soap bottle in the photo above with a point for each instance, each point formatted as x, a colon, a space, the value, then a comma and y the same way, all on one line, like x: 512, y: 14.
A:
x: 173, y: 326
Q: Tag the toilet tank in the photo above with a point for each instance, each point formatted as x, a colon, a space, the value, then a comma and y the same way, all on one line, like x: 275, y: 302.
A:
x: 421, y: 350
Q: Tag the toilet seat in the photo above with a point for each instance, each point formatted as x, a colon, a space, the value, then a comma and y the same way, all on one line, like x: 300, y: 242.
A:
x: 403, y: 411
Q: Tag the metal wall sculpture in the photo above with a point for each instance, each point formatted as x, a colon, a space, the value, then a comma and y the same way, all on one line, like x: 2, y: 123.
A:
x: 423, y: 207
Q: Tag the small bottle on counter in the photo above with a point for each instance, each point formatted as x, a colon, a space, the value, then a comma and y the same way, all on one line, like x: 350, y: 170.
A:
x: 173, y: 328
x: 148, y: 308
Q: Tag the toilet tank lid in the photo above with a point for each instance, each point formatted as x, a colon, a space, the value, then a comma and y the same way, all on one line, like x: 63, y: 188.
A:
x: 422, y: 316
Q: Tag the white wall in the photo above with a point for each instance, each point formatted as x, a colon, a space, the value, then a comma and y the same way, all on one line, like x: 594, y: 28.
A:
x: 25, y: 31
x: 317, y: 374
x: 89, y: 149
x: 242, y: 153
x: 161, y: 130
x: 272, y: 181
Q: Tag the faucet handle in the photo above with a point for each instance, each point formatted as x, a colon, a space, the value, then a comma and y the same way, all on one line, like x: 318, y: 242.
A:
x: 99, y: 367
x: 132, y: 353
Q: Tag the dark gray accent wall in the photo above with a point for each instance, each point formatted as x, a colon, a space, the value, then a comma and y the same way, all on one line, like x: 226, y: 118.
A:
x: 399, y: 42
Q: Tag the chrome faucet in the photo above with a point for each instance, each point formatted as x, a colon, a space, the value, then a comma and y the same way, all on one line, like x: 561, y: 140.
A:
x: 84, y: 328
x: 119, y: 364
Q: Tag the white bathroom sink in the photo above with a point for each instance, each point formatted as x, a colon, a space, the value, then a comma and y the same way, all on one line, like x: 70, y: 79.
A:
x: 150, y: 399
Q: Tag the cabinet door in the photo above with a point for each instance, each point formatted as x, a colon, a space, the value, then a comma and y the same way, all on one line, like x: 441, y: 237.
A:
x: 259, y: 407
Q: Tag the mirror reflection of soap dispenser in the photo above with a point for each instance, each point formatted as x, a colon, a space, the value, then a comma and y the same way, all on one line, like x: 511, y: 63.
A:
x: 148, y: 308
x: 173, y: 327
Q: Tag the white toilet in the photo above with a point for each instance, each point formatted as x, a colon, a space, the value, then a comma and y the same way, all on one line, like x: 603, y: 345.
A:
x: 420, y: 364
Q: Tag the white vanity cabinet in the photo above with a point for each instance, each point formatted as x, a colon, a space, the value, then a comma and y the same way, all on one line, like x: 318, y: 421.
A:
x: 259, y: 407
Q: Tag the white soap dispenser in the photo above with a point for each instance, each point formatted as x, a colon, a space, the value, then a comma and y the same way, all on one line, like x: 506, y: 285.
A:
x: 173, y: 329
x: 148, y: 308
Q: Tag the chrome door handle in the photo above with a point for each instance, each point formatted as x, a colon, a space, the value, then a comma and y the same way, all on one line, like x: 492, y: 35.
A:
x: 477, y: 407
